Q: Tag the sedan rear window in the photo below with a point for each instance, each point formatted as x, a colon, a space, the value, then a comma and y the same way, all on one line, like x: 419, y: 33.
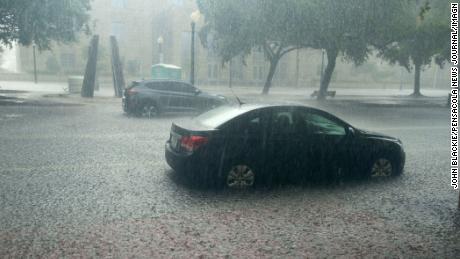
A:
x: 216, y: 117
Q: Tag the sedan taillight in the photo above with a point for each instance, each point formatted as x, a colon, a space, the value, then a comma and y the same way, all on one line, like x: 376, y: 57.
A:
x: 192, y: 143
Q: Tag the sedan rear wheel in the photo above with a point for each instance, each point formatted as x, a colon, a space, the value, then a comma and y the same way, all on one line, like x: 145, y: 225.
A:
x: 240, y: 177
x: 381, y: 167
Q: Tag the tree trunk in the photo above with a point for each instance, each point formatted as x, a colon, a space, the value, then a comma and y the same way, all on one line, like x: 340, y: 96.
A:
x: 271, y: 73
x: 418, y: 68
x: 87, y: 89
x: 331, y: 60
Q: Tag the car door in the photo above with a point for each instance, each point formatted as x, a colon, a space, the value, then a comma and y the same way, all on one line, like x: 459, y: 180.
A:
x: 283, y: 146
x: 171, y: 91
x: 323, y: 142
x: 181, y: 96
x: 156, y: 93
x: 169, y: 95
x: 246, y: 138
x: 189, y: 94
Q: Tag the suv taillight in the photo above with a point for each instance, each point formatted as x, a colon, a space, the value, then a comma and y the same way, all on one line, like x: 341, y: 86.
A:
x: 131, y: 91
x: 192, y: 143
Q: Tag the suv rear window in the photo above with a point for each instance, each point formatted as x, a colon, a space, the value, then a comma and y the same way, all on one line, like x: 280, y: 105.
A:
x: 133, y: 84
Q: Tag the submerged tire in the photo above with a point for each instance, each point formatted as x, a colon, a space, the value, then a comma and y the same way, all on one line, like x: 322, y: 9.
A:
x: 149, y: 110
x: 240, y: 176
x: 382, y: 167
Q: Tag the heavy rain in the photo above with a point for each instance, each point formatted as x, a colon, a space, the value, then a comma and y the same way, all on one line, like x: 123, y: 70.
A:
x: 229, y: 128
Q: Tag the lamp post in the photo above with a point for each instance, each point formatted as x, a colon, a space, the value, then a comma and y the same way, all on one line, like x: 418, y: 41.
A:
x: 195, y: 16
x: 35, y: 62
x: 230, y: 75
x: 160, y: 43
x: 322, y: 68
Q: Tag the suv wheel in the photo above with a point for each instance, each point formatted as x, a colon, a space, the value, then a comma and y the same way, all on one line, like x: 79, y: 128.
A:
x: 149, y: 110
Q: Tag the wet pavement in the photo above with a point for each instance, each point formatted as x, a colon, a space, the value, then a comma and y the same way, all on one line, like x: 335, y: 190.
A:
x: 80, y: 179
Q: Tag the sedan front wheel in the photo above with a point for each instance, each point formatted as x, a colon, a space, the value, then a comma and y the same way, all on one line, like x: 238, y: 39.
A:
x: 382, y: 167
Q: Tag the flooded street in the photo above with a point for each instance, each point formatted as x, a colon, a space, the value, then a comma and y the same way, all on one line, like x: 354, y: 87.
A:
x: 83, y: 179
x: 327, y: 129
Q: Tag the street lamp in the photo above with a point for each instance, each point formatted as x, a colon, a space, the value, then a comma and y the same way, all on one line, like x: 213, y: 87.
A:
x: 35, y: 62
x: 160, y: 43
x: 195, y: 17
x: 322, y: 68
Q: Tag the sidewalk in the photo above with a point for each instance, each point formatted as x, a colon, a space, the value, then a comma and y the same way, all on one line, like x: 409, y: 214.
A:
x: 43, y: 88
x: 57, y: 91
x: 364, y: 97
x: 46, y: 93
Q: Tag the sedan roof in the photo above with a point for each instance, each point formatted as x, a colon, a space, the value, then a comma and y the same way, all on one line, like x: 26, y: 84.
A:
x: 216, y: 117
x: 161, y: 80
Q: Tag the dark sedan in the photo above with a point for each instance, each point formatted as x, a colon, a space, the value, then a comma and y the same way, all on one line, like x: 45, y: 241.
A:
x: 240, y: 146
x: 152, y: 97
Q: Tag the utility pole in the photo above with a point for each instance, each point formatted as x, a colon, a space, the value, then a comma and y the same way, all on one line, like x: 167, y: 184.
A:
x: 160, y: 48
x: 435, y: 79
x: 401, y: 80
x: 297, y: 61
x: 192, y: 52
x: 322, y: 68
x: 230, y: 73
x: 195, y: 17
x: 35, y: 63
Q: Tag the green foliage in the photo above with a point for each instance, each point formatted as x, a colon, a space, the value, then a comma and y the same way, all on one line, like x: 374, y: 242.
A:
x: 425, y: 38
x: 235, y: 27
x: 42, y: 21
x: 406, y: 32
x: 346, y: 28
x: 352, y: 27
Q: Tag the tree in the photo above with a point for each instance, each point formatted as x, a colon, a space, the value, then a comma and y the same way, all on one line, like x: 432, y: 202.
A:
x: 348, y: 29
x: 42, y: 21
x: 424, y: 40
x: 237, y: 27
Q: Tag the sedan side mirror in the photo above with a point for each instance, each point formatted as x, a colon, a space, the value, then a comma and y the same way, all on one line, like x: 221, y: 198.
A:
x: 351, y: 131
x: 197, y: 91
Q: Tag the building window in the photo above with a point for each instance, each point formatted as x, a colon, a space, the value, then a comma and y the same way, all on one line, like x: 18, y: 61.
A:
x: 117, y: 30
x: 258, y: 56
x: 258, y: 60
x: 68, y: 61
x: 178, y: 2
x: 213, y: 67
x: 236, y: 66
x: 133, y: 67
x: 119, y: 3
x: 258, y: 72
x: 281, y: 70
x: 213, y: 71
